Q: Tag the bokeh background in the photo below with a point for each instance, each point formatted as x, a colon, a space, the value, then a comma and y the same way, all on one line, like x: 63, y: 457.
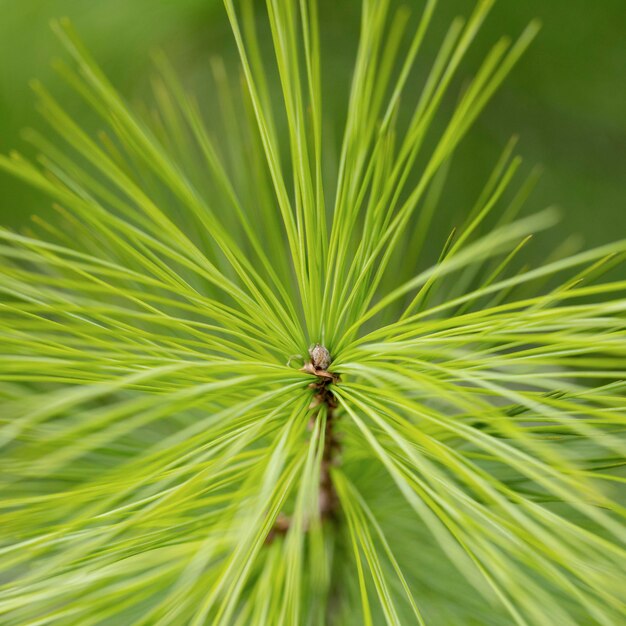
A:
x: 566, y: 99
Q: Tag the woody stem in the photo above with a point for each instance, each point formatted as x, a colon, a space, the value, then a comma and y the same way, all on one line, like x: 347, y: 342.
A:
x: 328, y: 499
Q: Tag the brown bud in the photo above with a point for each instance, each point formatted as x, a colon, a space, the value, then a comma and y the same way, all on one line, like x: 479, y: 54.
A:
x: 320, y: 357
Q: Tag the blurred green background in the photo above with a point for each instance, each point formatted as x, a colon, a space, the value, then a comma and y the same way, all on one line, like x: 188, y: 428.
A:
x: 566, y: 100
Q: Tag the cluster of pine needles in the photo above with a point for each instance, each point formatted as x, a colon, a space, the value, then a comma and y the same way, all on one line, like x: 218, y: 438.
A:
x: 172, y: 453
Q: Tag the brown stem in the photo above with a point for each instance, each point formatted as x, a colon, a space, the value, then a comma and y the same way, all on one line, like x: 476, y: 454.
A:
x: 328, y: 499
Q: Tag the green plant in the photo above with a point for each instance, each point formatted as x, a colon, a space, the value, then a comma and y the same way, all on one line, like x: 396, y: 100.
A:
x: 233, y: 392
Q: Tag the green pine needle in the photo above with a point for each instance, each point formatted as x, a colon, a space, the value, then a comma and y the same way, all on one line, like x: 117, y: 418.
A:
x: 176, y: 447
